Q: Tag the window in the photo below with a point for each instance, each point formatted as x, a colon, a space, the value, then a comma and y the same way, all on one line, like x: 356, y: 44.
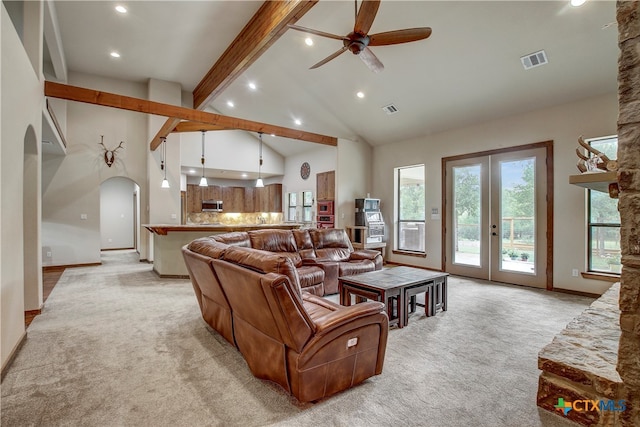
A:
x: 410, y: 214
x: 603, y: 228
x: 307, y: 206
x: 291, y: 207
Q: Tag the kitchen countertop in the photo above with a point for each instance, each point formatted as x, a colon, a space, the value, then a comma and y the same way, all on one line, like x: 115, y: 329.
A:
x: 163, y: 229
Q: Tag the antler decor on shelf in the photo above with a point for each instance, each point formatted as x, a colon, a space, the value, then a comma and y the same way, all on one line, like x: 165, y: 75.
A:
x: 109, y: 155
x: 594, y: 159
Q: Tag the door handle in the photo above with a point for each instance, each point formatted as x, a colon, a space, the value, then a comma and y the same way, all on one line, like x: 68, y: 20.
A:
x: 494, y: 233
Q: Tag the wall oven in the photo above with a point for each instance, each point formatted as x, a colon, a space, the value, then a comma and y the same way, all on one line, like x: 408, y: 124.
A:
x: 325, y: 207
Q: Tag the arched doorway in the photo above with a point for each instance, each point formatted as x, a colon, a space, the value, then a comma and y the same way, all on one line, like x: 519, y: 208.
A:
x: 119, y: 214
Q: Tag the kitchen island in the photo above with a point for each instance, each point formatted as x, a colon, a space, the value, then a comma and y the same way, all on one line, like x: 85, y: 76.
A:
x: 168, y: 239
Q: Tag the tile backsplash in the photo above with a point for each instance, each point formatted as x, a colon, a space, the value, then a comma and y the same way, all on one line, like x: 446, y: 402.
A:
x: 234, y: 218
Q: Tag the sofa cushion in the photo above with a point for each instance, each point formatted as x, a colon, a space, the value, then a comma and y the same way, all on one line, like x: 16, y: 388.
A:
x: 234, y: 238
x: 278, y: 241
x: 208, y: 247
x: 304, y: 244
x: 264, y: 262
x: 331, y: 244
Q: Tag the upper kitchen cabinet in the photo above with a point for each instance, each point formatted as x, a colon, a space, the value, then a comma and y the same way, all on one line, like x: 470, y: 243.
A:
x: 326, y: 185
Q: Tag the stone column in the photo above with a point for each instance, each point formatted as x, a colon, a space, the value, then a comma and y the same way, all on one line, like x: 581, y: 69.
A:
x: 628, y: 17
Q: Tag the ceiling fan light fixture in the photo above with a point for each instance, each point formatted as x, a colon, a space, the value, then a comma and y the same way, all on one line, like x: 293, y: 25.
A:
x: 358, y: 41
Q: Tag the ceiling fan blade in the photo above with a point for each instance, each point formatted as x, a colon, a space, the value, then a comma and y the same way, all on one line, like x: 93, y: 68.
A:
x: 371, y: 60
x: 330, y: 57
x: 399, y: 36
x: 366, y: 15
x: 316, y: 32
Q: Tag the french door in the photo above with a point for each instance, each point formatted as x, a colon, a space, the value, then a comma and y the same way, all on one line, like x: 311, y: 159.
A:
x: 498, y: 215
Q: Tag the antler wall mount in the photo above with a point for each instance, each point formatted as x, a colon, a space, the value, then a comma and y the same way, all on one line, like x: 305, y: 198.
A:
x: 110, y: 155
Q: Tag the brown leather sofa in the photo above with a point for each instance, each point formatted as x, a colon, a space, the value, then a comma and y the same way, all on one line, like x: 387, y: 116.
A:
x: 311, y: 347
x: 319, y: 255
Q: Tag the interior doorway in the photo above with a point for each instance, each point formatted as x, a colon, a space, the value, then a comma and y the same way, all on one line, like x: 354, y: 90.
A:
x: 119, y: 214
x: 498, y: 209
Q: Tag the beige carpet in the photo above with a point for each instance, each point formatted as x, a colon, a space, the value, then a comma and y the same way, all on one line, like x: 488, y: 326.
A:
x: 117, y: 346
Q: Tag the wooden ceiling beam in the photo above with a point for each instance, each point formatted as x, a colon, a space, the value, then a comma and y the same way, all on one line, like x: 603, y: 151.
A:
x: 106, y: 99
x: 265, y: 27
x: 195, y: 127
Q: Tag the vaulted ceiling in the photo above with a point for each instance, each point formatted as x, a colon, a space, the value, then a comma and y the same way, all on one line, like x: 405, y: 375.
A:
x: 468, y: 71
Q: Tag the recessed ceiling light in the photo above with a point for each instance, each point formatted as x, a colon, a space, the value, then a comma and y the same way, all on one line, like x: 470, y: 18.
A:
x: 360, y: 94
x: 121, y: 9
x: 252, y: 86
x: 192, y: 171
x: 244, y: 175
x: 230, y: 104
x: 576, y: 3
x: 298, y: 122
x: 308, y: 41
x: 273, y: 134
x: 115, y: 54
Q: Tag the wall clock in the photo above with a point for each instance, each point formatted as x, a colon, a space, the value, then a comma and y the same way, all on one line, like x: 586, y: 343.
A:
x: 305, y: 170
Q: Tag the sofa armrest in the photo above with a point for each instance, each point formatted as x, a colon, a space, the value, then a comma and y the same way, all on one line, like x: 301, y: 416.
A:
x: 368, y: 254
x: 345, y: 315
x: 364, y: 254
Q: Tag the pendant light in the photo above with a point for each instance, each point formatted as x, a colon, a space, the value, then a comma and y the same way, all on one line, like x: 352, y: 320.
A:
x: 259, y: 182
x: 163, y: 167
x: 203, y: 180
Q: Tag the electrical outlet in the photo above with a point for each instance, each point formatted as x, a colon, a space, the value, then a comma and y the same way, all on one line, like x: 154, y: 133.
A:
x: 174, y: 216
x: 574, y: 272
x: 83, y: 216
x: 48, y: 254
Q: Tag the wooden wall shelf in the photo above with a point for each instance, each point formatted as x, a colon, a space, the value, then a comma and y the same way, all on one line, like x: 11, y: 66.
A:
x: 598, y: 181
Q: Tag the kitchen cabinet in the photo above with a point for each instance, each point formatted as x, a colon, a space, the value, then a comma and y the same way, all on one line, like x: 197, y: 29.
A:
x: 274, y: 197
x: 326, y: 185
x: 233, y: 199
x: 248, y: 200
x: 236, y: 199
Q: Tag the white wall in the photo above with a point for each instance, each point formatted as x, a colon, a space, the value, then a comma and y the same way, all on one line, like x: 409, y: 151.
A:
x: 229, y: 150
x: 322, y: 158
x: 71, y: 188
x: 563, y: 124
x: 353, y: 179
x: 18, y: 81
x: 117, y: 213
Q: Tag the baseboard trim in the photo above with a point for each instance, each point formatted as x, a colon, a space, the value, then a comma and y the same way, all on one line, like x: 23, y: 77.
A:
x: 170, y: 276
x: 48, y: 268
x: 13, y: 355
x: 579, y: 293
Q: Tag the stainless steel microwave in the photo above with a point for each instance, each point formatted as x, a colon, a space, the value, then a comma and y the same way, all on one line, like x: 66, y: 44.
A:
x: 212, y: 206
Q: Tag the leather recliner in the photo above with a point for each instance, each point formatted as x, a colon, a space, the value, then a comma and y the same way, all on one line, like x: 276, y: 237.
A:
x: 312, y: 347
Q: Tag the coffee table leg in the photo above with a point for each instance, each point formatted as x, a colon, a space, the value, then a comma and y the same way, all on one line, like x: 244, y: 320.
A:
x: 444, y: 295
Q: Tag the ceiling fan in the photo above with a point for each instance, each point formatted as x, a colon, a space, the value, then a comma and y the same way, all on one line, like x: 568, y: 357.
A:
x: 358, y: 41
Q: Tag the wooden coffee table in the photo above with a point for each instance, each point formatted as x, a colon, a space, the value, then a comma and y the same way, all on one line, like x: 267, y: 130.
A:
x: 396, y: 287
